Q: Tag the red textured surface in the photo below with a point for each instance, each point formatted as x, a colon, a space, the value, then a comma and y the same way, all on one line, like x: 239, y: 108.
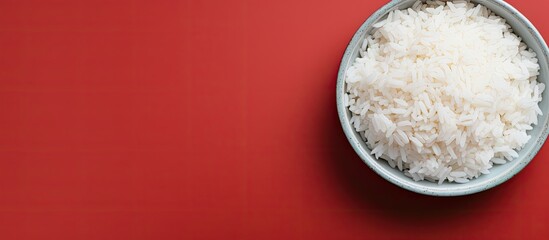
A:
x: 209, y: 120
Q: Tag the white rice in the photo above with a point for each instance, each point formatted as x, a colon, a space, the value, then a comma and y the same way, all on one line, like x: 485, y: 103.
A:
x: 444, y: 91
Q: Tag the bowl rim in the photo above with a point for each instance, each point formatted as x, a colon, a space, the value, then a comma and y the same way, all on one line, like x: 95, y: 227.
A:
x: 374, y: 165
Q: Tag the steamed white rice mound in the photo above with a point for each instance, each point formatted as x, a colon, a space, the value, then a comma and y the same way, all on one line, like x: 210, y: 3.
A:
x: 444, y: 90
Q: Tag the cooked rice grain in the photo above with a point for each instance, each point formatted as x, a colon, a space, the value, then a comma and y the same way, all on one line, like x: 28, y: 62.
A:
x: 444, y: 90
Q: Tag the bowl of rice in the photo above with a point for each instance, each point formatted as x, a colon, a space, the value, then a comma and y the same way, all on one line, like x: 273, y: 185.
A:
x: 445, y: 98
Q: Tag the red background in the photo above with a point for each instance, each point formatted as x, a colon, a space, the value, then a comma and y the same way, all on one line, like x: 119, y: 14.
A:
x: 209, y: 120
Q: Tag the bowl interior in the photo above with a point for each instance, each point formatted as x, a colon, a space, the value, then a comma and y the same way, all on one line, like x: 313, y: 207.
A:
x: 499, y: 174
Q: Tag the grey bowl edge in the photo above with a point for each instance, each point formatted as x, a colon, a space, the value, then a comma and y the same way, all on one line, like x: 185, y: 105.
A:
x: 475, y: 186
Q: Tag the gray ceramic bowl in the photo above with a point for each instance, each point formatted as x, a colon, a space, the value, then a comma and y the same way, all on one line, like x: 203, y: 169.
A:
x: 499, y: 174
